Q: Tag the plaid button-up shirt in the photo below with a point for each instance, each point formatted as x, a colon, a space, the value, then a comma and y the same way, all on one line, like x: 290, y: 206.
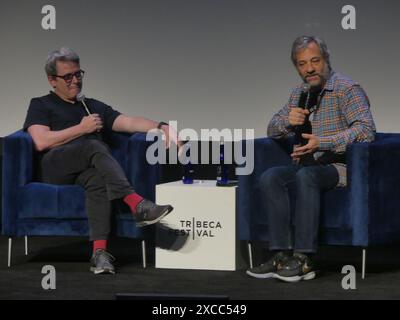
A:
x: 343, y: 117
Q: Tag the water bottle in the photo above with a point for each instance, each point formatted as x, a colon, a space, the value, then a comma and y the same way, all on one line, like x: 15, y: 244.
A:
x: 188, y: 170
x: 222, y: 169
x: 188, y: 173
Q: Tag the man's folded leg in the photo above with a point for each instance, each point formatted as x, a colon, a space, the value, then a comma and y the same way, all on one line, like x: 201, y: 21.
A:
x: 144, y: 211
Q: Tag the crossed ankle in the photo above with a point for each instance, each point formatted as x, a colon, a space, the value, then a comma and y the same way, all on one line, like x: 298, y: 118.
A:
x: 132, y: 200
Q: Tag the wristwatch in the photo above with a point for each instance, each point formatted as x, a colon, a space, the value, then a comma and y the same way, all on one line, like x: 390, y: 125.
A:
x: 161, y: 124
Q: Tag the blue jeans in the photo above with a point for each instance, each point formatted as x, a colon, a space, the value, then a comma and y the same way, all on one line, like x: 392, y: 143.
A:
x: 307, y: 182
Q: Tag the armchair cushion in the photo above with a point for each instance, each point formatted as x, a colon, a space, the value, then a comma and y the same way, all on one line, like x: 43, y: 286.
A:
x: 41, y: 200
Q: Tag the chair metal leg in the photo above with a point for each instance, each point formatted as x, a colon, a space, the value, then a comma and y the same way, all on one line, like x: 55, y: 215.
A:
x: 9, y: 252
x: 26, y: 245
x: 144, y: 254
x: 249, y: 248
x: 364, y: 256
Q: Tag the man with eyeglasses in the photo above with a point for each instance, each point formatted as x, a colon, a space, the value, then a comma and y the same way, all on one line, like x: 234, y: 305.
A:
x: 340, y: 114
x: 69, y: 139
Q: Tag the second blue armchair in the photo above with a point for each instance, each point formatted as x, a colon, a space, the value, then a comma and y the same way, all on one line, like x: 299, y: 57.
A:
x: 364, y: 213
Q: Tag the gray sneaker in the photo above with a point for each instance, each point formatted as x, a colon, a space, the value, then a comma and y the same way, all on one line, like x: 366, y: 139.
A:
x: 101, y: 262
x: 270, y: 268
x: 148, y: 213
x: 299, y: 267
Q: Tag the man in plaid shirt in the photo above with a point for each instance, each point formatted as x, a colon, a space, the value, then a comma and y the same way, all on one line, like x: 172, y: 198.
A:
x: 341, y: 115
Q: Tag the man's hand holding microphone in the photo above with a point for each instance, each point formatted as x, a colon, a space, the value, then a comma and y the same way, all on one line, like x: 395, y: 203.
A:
x: 297, y: 117
x: 91, y: 123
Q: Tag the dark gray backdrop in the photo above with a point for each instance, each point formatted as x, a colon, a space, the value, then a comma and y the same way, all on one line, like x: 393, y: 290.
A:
x: 205, y: 63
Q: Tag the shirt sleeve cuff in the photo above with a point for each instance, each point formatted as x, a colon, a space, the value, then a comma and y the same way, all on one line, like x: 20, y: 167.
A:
x: 288, y: 127
x: 325, y: 143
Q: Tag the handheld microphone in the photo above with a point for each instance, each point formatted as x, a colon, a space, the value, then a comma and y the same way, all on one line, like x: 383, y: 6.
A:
x: 304, y: 103
x: 308, y: 100
x: 304, y: 96
x: 81, y: 98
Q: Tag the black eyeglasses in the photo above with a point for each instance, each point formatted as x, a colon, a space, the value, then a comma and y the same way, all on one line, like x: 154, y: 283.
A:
x: 69, y: 76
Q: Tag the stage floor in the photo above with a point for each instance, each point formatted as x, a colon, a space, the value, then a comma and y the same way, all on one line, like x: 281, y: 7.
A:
x: 70, y: 258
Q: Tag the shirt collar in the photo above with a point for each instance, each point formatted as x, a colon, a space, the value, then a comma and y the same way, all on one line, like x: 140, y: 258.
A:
x: 56, y: 98
x: 329, y: 83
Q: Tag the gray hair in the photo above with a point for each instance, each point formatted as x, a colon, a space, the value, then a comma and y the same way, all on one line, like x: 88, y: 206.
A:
x: 63, y: 54
x: 303, y: 42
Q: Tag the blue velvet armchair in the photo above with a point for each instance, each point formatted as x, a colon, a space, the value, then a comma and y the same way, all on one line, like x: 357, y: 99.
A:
x: 364, y: 213
x: 32, y: 208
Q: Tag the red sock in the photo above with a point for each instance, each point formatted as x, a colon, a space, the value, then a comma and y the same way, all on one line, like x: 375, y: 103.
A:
x: 132, y: 200
x: 99, y: 244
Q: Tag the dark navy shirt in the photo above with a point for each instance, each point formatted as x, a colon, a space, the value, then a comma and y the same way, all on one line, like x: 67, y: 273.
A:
x: 57, y: 114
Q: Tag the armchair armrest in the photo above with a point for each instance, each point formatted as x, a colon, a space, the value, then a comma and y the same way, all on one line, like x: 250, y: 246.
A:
x: 17, y: 159
x: 130, y: 152
x: 374, y: 186
x: 357, y: 159
x: 140, y: 173
x: 17, y: 171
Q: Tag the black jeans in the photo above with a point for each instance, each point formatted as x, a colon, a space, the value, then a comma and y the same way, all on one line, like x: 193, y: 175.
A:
x: 307, y: 182
x: 89, y: 163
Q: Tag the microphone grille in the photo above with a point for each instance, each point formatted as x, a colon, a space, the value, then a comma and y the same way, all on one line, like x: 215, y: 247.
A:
x: 306, y: 87
x: 80, y: 96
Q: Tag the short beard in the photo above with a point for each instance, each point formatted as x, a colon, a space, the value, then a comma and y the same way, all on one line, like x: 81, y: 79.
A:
x: 324, y: 76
